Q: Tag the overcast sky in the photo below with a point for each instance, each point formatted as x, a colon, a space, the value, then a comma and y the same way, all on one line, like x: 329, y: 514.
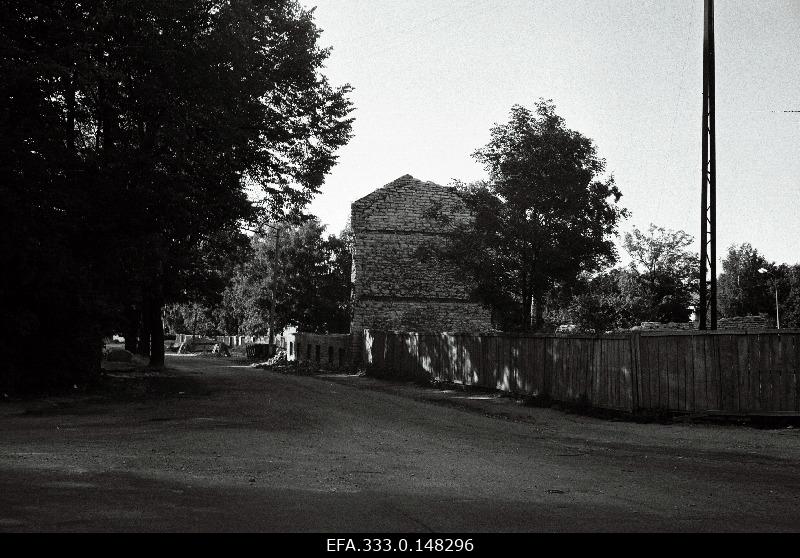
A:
x: 431, y: 77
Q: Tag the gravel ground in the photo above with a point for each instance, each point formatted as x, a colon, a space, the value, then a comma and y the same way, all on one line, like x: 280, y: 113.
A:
x: 211, y: 444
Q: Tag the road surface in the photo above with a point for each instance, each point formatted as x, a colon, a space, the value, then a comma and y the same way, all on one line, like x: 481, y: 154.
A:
x: 210, y: 445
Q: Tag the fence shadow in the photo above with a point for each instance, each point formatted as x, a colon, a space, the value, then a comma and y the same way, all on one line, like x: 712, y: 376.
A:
x: 726, y: 372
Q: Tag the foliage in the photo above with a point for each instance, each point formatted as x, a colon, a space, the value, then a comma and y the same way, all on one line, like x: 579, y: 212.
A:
x: 741, y: 289
x: 603, y: 302
x: 311, y: 281
x: 789, y: 295
x: 665, y: 274
x: 131, y: 132
x: 659, y: 284
x: 543, y: 218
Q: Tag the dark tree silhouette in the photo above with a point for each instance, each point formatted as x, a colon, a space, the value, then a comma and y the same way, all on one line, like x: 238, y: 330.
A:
x: 131, y: 131
x: 544, y: 216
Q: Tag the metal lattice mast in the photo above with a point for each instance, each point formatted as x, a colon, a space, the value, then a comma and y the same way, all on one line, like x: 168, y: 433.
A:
x: 708, y: 230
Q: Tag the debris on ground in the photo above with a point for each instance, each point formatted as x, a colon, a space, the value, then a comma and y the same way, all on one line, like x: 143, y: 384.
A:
x: 278, y: 359
x: 221, y: 349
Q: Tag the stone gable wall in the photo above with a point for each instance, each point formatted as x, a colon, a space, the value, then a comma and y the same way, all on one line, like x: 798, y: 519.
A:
x: 393, y: 286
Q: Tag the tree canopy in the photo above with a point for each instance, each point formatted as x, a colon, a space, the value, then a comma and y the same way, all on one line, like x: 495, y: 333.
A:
x: 665, y: 274
x: 741, y: 289
x: 310, y: 280
x: 546, y: 214
x: 131, y: 134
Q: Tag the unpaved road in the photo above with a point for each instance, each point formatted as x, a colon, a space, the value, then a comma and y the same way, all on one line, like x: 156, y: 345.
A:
x: 211, y: 446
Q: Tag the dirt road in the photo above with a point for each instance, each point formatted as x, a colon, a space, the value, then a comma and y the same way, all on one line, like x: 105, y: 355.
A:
x: 212, y: 446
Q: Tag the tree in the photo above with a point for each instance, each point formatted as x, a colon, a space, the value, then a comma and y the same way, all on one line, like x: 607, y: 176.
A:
x: 131, y: 132
x: 605, y: 302
x: 741, y: 289
x: 312, y: 279
x: 665, y: 274
x: 544, y: 217
x: 789, y: 287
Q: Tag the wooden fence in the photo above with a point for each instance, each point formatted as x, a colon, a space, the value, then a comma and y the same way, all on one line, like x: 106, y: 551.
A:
x: 733, y: 372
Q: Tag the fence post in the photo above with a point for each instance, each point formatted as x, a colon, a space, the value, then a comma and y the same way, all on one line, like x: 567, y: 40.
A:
x: 636, y: 363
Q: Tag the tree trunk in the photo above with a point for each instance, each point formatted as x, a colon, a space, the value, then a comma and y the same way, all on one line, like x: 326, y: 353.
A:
x: 526, y: 302
x: 131, y: 329
x: 537, y: 311
x: 526, y: 312
x: 71, y: 114
x: 276, y: 263
x: 144, y: 330
x: 156, y: 328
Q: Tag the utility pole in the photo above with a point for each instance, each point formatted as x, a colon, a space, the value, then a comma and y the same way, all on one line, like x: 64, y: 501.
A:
x: 708, y: 197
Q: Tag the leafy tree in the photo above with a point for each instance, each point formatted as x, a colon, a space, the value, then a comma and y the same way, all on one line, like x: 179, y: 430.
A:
x: 310, y: 279
x: 664, y: 272
x: 544, y: 217
x: 131, y: 132
x: 313, y: 279
x: 604, y: 302
x: 789, y: 296
x: 744, y: 290
x: 741, y: 289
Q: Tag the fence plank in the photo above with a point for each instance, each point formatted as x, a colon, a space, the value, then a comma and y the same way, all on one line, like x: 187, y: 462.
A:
x: 712, y: 384
x: 684, y: 354
x: 787, y: 372
x: 523, y: 379
x: 663, y: 373
x: 765, y: 373
x: 628, y: 385
x: 600, y: 390
x: 796, y: 370
x: 635, y: 363
x: 605, y: 388
x: 582, y: 349
x: 728, y: 363
x: 569, y: 368
x: 516, y: 358
x: 584, y: 373
x: 644, y: 372
x: 463, y: 359
x: 673, y: 374
x: 753, y: 360
x: 743, y: 373
x: 782, y: 401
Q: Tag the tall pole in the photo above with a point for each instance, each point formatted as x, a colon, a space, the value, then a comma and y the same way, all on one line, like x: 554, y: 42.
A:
x: 777, y: 312
x: 708, y: 196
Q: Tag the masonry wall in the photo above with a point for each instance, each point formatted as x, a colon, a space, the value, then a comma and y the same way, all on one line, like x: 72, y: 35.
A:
x: 328, y: 351
x: 395, y: 286
x: 743, y: 323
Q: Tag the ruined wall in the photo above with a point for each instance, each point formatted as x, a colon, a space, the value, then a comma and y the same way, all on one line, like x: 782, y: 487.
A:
x: 744, y: 322
x: 393, y: 287
x: 328, y: 351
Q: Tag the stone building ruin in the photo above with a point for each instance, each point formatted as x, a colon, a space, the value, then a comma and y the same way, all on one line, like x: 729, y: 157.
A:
x: 393, y: 288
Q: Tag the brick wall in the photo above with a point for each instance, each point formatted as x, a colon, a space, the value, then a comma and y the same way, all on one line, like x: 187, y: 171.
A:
x: 393, y: 286
x: 743, y: 322
x: 328, y: 351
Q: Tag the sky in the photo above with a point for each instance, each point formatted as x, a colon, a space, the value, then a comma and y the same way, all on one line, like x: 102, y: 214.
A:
x: 431, y: 77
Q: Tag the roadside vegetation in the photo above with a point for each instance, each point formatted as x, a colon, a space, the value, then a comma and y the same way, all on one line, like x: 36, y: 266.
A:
x: 138, y: 140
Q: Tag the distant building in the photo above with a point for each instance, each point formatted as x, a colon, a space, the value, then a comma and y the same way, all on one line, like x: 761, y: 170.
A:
x: 395, y: 289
